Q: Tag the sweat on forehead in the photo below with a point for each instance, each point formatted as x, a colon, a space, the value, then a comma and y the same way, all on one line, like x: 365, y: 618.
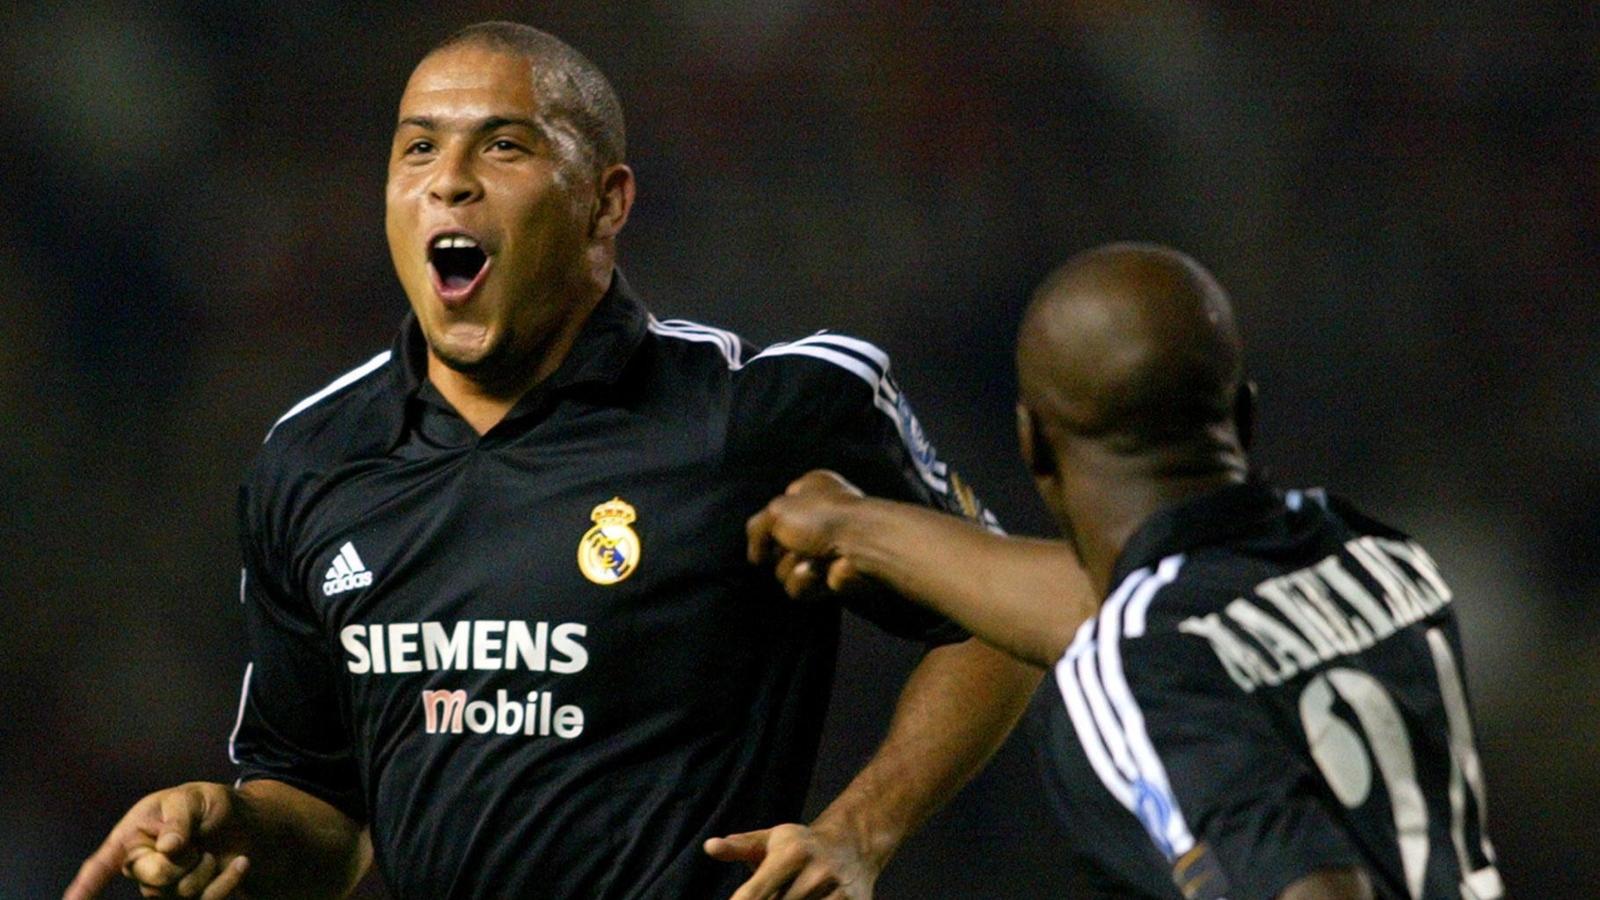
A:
x: 570, y: 87
x: 1130, y: 339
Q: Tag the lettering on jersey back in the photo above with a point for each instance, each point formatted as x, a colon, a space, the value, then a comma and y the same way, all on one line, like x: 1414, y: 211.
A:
x: 1311, y: 616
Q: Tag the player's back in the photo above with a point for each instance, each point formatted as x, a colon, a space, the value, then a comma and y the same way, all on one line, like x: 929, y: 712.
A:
x: 1275, y: 687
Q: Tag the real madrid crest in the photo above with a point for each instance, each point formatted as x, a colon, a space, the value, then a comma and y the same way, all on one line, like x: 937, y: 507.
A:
x: 609, y: 552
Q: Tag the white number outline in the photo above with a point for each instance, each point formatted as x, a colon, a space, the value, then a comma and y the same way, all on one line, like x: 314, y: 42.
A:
x: 1342, y: 754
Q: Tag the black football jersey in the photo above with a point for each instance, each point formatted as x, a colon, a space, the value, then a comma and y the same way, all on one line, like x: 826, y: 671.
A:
x: 536, y: 662
x: 1273, y: 686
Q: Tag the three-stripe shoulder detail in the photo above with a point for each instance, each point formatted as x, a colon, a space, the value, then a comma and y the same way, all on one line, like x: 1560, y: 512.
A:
x: 871, y: 365
x: 1106, y: 715
x: 854, y: 355
x: 860, y: 358
x: 338, y: 384
x: 726, y: 342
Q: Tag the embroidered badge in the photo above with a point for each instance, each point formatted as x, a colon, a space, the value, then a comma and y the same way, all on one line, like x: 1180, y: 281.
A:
x: 609, y: 552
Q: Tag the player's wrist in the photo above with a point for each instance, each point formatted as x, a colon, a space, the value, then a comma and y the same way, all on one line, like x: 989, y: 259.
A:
x: 863, y: 536
x: 234, y: 816
x: 870, y: 841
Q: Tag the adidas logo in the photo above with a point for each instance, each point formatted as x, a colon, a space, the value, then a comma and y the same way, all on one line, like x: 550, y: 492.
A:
x: 348, y: 572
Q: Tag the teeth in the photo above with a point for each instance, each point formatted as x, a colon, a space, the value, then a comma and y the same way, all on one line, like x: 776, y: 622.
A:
x: 453, y: 242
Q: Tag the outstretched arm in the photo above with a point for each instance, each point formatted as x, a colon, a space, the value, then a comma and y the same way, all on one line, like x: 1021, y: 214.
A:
x: 1022, y: 595
x: 207, y: 840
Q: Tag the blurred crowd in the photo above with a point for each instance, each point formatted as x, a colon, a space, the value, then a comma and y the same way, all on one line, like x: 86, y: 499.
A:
x: 1403, y: 198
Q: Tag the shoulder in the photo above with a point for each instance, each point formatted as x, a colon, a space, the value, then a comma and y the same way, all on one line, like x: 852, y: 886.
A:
x: 816, y: 382
x: 1151, y: 602
x: 823, y: 377
x: 826, y: 356
x: 1153, y: 624
x: 339, y: 421
x: 835, y: 384
x: 696, y: 344
x: 821, y: 360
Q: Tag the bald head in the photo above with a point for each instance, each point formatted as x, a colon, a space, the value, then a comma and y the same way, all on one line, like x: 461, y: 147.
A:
x: 572, y: 89
x: 1132, y: 346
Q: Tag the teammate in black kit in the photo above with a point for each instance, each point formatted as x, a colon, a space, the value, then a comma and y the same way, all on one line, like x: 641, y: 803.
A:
x: 504, y: 637
x: 1268, y: 702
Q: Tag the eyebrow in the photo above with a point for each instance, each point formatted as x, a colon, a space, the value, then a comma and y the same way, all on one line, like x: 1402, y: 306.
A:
x: 489, y: 124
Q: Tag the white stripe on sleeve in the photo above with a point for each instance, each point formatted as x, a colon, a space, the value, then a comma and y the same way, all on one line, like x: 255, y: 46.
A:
x: 1155, y: 805
x: 345, y: 380
x: 244, y: 694
x: 1139, y: 604
x: 843, y: 360
x: 871, y: 365
x: 1083, y: 721
x: 682, y: 329
x: 874, y: 354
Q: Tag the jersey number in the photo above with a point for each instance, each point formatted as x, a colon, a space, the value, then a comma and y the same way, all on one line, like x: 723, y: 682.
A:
x: 1341, y: 752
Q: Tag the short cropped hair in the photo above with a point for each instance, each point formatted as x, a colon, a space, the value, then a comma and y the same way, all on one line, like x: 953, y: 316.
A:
x: 573, y: 87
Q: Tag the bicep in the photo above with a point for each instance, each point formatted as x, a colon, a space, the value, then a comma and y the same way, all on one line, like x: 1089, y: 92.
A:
x: 303, y: 845
x: 279, y: 802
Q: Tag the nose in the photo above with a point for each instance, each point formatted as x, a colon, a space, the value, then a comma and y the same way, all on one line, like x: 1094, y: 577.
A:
x: 454, y: 181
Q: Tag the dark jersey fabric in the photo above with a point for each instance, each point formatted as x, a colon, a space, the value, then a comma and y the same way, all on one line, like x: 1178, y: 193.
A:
x: 701, y: 688
x: 1330, y: 729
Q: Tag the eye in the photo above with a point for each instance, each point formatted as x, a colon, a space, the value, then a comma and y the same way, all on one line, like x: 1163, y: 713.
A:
x: 417, y: 147
x: 504, y: 146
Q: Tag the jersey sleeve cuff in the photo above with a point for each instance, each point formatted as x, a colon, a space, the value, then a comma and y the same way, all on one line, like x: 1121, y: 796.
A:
x: 347, y: 801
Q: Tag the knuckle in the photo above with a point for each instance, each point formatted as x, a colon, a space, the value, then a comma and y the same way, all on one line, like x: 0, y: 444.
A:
x: 143, y: 870
x: 799, y: 854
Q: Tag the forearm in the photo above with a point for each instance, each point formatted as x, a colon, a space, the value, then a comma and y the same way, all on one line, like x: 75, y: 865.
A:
x: 1022, y: 595
x: 299, y: 846
x: 956, y: 709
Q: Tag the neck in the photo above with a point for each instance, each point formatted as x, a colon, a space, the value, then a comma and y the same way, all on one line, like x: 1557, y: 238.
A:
x: 1107, y: 510
x: 485, y: 399
x: 483, y: 409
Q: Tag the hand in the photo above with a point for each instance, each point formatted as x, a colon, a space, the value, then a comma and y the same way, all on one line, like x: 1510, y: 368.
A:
x: 173, y: 843
x: 801, y: 530
x: 794, y: 862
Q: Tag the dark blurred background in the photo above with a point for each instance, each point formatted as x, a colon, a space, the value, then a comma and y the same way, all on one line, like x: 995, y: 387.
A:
x: 1402, y: 197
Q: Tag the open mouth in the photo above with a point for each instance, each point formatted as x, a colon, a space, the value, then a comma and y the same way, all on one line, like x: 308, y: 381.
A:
x: 458, y: 263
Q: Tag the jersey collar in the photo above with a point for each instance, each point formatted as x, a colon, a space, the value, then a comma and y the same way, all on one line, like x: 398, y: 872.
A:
x: 600, y: 355
x: 1198, y: 522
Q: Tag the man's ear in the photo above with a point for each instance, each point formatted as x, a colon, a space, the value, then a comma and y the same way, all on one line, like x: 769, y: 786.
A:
x: 614, y: 192
x: 1036, y: 452
x: 1244, y: 413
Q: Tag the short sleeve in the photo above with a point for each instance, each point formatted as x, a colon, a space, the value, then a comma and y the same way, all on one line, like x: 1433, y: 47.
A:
x: 842, y: 410
x: 1232, y: 808
x: 291, y: 727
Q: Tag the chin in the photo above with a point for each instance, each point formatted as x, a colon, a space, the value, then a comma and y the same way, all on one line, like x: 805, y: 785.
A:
x: 463, y: 347
x: 489, y: 362
x: 467, y: 362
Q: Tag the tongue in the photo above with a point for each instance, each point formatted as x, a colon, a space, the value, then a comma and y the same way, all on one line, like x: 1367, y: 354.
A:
x: 456, y: 282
